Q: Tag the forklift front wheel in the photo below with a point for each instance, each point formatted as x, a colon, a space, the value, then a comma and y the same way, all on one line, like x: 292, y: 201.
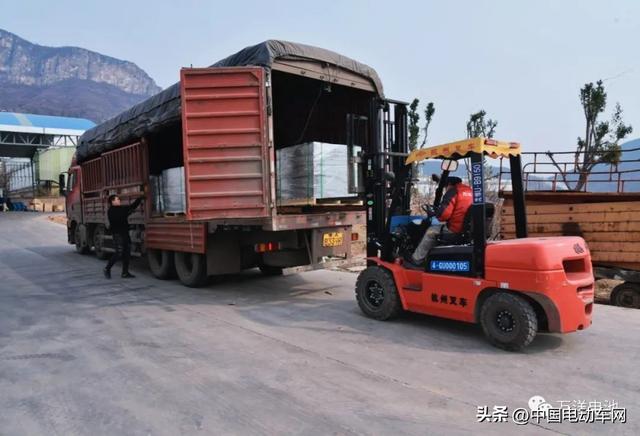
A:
x: 508, y: 321
x: 377, y: 294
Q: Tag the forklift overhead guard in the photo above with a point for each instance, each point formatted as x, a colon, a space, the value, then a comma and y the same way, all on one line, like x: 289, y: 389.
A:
x: 461, y: 149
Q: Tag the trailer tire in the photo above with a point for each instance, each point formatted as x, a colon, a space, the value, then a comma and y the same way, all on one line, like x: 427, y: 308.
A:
x: 377, y: 295
x: 268, y: 270
x: 626, y: 295
x: 508, y: 321
x: 81, y: 245
x: 191, y: 269
x: 98, y: 242
x: 161, y: 263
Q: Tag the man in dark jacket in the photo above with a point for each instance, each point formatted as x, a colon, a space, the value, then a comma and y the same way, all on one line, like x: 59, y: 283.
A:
x: 119, y: 225
x: 452, y: 210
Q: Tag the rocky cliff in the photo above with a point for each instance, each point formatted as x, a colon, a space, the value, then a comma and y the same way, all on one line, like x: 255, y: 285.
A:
x: 67, y: 81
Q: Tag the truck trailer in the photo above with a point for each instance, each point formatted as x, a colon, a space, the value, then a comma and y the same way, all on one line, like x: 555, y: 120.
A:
x: 224, y: 125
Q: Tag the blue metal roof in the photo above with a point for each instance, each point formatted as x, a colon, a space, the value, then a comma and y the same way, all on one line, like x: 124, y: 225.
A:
x: 45, y: 121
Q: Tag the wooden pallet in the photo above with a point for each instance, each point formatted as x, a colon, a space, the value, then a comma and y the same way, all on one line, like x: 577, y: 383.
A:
x: 349, y: 201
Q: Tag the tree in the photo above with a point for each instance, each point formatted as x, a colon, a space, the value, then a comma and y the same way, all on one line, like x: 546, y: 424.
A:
x: 601, y: 142
x: 414, y: 123
x: 429, y: 111
x: 413, y: 115
x: 478, y: 126
x: 414, y: 119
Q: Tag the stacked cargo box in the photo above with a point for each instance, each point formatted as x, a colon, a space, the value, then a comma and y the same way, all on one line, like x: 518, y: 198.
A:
x: 168, y: 191
x: 313, y: 171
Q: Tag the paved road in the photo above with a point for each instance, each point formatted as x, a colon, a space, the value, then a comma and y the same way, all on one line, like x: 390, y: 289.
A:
x: 256, y: 355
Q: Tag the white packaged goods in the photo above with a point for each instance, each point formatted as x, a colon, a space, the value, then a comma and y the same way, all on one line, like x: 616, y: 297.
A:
x: 156, y: 193
x: 173, y: 192
x: 313, y: 170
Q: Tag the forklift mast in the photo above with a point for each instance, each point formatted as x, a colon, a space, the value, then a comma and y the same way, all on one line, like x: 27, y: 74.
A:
x: 388, y: 179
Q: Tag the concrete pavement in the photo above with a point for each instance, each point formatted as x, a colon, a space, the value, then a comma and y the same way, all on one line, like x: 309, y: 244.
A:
x: 267, y: 355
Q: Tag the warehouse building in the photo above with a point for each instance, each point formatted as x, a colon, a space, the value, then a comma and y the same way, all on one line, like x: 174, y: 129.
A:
x: 34, y: 149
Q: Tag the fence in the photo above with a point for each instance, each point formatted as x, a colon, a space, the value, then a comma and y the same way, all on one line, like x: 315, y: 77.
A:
x: 18, y: 175
x: 542, y: 173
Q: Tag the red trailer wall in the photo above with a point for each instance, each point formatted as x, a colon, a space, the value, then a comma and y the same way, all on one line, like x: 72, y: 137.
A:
x: 225, y: 142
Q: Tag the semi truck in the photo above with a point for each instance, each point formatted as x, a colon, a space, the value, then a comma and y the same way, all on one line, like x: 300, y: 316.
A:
x: 224, y: 125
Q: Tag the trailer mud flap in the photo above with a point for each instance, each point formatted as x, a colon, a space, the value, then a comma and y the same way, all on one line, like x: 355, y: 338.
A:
x: 180, y: 236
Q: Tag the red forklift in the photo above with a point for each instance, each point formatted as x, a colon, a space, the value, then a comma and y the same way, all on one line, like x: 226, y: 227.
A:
x: 512, y: 288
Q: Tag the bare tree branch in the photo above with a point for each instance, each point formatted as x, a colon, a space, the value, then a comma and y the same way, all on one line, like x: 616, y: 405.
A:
x: 560, y: 170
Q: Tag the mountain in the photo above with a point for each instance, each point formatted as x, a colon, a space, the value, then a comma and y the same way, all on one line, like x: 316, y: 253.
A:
x: 67, y: 81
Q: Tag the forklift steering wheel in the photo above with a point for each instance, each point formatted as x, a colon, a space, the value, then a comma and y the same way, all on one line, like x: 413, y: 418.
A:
x: 429, y: 210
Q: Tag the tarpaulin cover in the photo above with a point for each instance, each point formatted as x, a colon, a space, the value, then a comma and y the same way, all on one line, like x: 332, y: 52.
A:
x: 164, y: 108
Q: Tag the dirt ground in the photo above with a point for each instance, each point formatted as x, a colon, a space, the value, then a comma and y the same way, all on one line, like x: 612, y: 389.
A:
x: 58, y: 218
x: 251, y: 354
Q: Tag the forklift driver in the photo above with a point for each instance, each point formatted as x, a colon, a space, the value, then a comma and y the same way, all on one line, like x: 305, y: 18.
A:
x: 452, y: 210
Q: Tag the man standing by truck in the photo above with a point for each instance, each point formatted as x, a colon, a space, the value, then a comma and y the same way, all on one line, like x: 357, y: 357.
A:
x: 119, y: 225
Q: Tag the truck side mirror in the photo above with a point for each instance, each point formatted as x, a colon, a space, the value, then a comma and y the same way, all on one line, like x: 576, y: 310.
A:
x: 61, y: 184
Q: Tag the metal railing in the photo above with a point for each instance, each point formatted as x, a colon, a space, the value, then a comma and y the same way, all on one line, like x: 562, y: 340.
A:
x: 542, y: 173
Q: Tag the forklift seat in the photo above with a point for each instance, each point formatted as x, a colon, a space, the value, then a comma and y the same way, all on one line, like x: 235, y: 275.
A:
x: 466, y: 236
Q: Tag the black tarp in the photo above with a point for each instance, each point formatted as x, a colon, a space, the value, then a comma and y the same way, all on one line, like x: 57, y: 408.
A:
x: 164, y: 108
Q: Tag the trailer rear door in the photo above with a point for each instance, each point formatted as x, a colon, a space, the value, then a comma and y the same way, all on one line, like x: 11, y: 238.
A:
x: 224, y: 142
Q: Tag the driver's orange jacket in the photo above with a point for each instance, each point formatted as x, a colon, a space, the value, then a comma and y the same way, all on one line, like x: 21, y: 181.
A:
x: 455, y: 203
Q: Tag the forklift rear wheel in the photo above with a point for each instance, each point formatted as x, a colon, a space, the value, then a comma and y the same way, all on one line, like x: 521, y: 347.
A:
x: 268, y: 270
x: 508, y: 321
x: 377, y: 294
x: 191, y: 269
x: 98, y: 242
x: 626, y: 295
x: 81, y: 246
x: 161, y: 264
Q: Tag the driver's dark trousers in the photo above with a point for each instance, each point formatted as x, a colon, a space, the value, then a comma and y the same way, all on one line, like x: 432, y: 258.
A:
x: 123, y: 251
x: 428, y: 241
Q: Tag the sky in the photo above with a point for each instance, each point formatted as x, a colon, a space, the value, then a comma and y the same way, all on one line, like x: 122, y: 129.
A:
x: 522, y: 61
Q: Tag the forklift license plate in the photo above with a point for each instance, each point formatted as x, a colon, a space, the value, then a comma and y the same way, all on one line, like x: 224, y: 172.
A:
x: 333, y: 239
